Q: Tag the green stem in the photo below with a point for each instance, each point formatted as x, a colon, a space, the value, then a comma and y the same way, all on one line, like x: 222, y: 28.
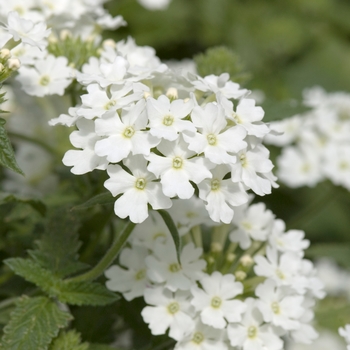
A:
x: 32, y: 140
x: 108, y: 258
x: 8, y: 302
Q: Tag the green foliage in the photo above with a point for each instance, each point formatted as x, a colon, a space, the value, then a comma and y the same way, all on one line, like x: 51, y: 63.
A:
x: 57, y: 250
x: 7, y: 155
x: 85, y: 293
x: 32, y: 272
x: 101, y: 198
x: 36, y: 204
x: 220, y: 59
x: 70, y: 340
x: 75, y: 293
x: 173, y: 231
x: 33, y: 324
x: 75, y: 49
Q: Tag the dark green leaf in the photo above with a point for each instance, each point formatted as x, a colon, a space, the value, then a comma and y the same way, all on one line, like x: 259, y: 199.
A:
x: 33, y: 324
x: 7, y: 155
x: 38, y: 205
x: 69, y: 341
x: 102, y: 198
x: 173, y: 231
x: 32, y: 272
x: 57, y: 250
x: 86, y: 293
x: 101, y: 347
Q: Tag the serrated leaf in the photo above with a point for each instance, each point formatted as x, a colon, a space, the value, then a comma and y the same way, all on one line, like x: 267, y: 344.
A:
x: 102, y: 198
x: 173, y: 231
x: 69, y: 341
x: 7, y: 155
x: 32, y: 272
x: 38, y: 205
x: 57, y: 250
x: 86, y: 293
x: 33, y: 324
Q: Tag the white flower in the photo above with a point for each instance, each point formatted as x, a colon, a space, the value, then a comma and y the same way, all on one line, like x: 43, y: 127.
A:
x: 137, y: 190
x: 154, y: 4
x: 203, y: 337
x: 219, y: 84
x: 169, y: 310
x: 247, y: 115
x: 97, y: 101
x: 48, y: 77
x: 214, y: 301
x: 345, y: 333
x: 250, y: 333
x: 176, y: 170
x: 132, y: 280
x: 221, y: 195
x: 166, y: 119
x: 278, y: 307
x: 85, y: 160
x: 27, y: 31
x: 213, y: 139
x: 163, y: 267
x: 124, y: 135
x: 253, y: 168
x: 254, y: 223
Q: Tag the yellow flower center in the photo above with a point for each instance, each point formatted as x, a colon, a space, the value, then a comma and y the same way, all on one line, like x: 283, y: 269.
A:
x: 44, y: 80
x: 140, y: 183
x: 198, y: 337
x: 216, y: 302
x: 252, y: 332
x: 173, y: 308
x: 174, y: 267
x: 129, y: 132
x: 211, y: 139
x: 215, y: 184
x: 168, y: 120
x: 177, y: 163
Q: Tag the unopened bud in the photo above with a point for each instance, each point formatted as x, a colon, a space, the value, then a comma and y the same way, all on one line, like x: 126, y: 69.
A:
x: 5, y: 54
x: 65, y: 33
x: 216, y: 247
x: 172, y: 93
x: 240, y: 275
x: 52, y: 39
x: 230, y: 257
x: 14, y: 63
x: 246, y: 260
x: 146, y: 95
x: 1, y: 67
x: 109, y: 42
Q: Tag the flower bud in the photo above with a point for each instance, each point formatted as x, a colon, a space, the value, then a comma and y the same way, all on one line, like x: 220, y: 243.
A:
x: 246, y: 260
x: 5, y: 54
x: 14, y: 63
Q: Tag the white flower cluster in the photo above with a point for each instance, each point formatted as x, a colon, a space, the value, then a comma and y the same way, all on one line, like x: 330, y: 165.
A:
x: 160, y: 135
x: 31, y: 22
x: 243, y: 298
x: 316, y: 143
x: 345, y: 333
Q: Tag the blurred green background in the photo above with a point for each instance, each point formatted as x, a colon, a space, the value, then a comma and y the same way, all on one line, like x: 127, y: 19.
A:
x: 284, y: 46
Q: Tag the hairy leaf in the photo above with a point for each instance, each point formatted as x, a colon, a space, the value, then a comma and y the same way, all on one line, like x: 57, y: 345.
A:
x: 69, y: 341
x: 7, y: 155
x: 32, y: 272
x: 33, y: 324
x: 86, y: 293
x: 57, y: 250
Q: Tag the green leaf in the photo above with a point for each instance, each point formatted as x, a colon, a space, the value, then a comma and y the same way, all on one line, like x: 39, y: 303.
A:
x: 7, y: 155
x: 86, y: 293
x: 32, y: 272
x: 69, y: 341
x: 33, y: 324
x: 37, y: 205
x: 339, y: 252
x: 102, y: 198
x: 173, y: 231
x: 57, y: 250
x: 221, y: 59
